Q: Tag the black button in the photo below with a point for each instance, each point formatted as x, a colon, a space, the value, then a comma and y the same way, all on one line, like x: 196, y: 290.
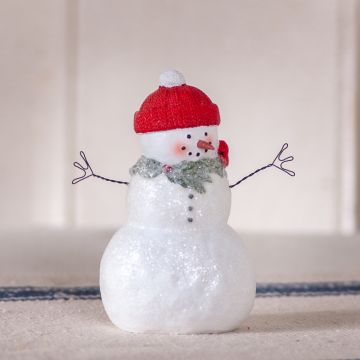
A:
x: 191, y: 196
x: 190, y: 219
x: 190, y: 208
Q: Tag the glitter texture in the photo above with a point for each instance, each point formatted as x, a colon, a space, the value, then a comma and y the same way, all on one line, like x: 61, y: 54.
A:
x: 163, y: 281
x: 163, y: 273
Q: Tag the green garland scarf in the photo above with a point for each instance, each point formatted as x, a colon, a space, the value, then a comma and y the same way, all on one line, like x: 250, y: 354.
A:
x: 188, y: 174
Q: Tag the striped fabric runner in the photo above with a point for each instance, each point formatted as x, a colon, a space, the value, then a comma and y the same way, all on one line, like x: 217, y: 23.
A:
x: 30, y: 293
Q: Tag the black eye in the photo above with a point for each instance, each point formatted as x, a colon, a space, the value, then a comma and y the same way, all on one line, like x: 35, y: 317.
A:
x: 206, y: 134
x: 189, y: 136
x: 197, y: 154
x: 190, y: 153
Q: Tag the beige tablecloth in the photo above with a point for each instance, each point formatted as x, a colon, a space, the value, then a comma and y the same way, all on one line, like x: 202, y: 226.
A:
x: 306, y: 327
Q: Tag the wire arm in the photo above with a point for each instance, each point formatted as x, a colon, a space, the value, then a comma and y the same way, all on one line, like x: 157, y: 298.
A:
x: 277, y: 162
x: 88, y: 172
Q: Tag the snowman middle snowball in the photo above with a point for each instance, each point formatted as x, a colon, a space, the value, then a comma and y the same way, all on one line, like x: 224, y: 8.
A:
x: 176, y: 266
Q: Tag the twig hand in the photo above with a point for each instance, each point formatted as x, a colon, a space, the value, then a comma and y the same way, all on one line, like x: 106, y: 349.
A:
x: 279, y: 162
x: 87, y: 170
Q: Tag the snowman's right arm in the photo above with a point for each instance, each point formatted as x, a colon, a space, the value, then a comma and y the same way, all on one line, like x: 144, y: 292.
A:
x: 278, y: 162
x: 87, y: 172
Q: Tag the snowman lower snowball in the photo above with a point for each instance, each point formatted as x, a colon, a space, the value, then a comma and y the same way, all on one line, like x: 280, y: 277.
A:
x: 176, y: 266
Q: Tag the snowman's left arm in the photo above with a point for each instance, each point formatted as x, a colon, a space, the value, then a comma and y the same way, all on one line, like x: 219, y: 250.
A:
x: 278, y: 163
x: 88, y: 171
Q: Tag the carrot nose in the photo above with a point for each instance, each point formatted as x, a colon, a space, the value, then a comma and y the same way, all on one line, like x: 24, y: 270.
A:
x: 204, y: 145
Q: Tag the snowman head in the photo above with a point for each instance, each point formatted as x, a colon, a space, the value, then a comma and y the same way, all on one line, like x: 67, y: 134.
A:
x: 177, y: 122
x: 174, y: 146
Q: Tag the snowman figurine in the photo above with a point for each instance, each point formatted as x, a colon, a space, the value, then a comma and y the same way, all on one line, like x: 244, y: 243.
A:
x: 176, y: 266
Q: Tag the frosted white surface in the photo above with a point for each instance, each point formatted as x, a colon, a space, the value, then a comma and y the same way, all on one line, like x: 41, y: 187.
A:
x: 193, y: 281
x: 159, y: 203
x: 176, y: 266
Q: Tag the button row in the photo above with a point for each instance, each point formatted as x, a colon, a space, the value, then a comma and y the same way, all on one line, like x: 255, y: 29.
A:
x: 190, y: 208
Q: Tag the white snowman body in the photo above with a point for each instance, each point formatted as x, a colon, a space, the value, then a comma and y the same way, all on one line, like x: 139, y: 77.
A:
x: 176, y: 266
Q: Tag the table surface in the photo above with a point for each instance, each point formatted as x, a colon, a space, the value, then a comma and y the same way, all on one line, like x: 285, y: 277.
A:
x: 297, y: 327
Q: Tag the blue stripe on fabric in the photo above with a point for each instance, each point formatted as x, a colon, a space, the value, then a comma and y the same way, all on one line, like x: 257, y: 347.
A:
x: 308, y: 289
x: 30, y: 293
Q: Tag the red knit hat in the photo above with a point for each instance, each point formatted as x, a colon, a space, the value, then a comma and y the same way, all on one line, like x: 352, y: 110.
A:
x: 175, y: 105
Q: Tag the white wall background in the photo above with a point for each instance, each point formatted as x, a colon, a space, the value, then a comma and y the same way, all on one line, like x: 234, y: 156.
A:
x: 74, y: 72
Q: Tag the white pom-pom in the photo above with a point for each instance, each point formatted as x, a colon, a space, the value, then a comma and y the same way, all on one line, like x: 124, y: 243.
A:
x: 171, y: 78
